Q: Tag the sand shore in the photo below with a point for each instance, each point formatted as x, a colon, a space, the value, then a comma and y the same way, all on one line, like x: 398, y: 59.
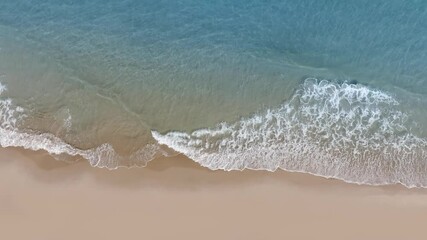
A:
x: 41, y: 198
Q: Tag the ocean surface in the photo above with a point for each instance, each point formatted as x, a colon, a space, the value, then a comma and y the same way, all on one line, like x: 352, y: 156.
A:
x: 332, y: 88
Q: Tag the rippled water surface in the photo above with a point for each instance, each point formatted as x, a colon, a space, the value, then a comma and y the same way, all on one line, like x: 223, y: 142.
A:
x: 332, y: 88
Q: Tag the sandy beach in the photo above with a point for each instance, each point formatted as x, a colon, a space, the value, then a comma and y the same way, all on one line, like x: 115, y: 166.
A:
x: 41, y: 198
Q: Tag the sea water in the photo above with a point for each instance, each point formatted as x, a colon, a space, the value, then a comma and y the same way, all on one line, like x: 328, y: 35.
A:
x: 332, y: 88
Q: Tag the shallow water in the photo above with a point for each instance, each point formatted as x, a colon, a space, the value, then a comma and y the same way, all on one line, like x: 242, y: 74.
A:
x: 336, y: 89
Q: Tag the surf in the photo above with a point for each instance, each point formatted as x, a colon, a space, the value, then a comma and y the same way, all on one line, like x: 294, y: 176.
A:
x: 103, y: 156
x: 335, y: 130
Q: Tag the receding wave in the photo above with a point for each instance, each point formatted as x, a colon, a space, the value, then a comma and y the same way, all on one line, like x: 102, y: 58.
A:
x: 339, y: 130
x: 103, y: 156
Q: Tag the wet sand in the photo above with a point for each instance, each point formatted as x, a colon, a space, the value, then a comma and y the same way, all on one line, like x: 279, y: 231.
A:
x: 41, y: 198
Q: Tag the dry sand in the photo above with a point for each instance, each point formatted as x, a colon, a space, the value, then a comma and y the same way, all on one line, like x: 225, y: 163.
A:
x: 41, y: 198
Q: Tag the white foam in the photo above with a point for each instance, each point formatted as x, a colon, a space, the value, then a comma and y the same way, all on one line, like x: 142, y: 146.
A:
x: 2, y: 87
x: 344, y: 131
x: 103, y: 156
x: 68, y: 121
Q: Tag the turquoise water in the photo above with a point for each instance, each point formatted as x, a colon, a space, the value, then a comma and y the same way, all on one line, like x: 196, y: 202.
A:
x: 332, y: 88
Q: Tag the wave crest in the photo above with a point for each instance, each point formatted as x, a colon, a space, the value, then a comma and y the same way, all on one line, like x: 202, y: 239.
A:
x: 345, y: 131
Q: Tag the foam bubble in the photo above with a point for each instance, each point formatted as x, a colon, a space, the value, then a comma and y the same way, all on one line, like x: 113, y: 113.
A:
x: 2, y: 88
x: 345, y: 131
x: 68, y: 121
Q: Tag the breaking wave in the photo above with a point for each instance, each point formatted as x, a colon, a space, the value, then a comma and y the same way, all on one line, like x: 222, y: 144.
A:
x: 335, y: 130
x: 103, y: 156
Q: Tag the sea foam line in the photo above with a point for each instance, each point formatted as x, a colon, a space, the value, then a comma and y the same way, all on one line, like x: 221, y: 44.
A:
x: 103, y: 156
x: 344, y: 131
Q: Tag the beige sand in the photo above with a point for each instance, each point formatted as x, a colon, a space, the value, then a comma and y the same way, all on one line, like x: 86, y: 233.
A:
x: 41, y: 198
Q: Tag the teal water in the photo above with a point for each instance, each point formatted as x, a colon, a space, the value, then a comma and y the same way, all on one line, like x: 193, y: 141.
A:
x: 332, y: 88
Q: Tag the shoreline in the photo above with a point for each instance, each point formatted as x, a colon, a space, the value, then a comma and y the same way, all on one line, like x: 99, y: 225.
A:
x: 173, y: 198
